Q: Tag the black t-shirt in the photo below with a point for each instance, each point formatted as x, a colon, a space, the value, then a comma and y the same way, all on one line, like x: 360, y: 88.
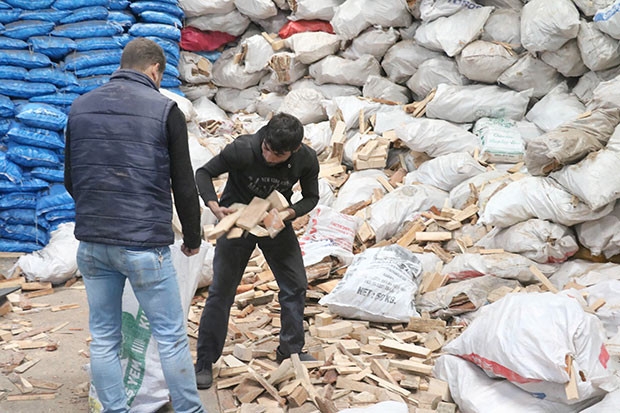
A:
x: 249, y: 175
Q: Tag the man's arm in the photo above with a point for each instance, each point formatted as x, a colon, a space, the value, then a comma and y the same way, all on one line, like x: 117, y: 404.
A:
x: 309, y: 183
x: 68, y: 181
x: 204, y: 179
x: 182, y: 177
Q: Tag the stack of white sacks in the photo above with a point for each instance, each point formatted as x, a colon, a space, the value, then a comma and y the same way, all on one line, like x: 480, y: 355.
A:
x: 514, y: 81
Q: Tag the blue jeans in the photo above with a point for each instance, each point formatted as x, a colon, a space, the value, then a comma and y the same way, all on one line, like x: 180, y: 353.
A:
x: 153, y: 279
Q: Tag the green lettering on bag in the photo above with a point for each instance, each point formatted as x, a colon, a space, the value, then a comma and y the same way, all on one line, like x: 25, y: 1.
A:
x: 136, y: 337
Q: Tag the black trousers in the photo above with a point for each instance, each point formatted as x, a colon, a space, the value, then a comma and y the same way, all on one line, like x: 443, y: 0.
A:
x: 231, y: 257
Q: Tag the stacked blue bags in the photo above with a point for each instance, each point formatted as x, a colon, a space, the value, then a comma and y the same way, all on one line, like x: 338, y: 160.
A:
x: 52, y: 51
x: 161, y: 21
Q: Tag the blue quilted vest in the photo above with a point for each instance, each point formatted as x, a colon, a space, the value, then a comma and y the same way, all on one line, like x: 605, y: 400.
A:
x: 120, y: 164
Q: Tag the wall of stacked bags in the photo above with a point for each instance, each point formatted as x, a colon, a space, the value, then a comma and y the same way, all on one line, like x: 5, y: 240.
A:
x: 50, y: 53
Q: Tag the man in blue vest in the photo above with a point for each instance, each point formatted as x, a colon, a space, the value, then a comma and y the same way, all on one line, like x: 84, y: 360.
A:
x: 126, y: 148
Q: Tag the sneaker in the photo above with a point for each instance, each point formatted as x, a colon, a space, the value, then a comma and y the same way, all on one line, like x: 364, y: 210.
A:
x: 280, y: 357
x: 204, y: 378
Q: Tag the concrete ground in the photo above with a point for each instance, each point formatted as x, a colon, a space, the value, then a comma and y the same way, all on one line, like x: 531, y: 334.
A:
x: 65, y: 366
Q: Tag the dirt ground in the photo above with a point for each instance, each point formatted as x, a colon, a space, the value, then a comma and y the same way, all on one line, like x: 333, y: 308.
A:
x: 67, y: 365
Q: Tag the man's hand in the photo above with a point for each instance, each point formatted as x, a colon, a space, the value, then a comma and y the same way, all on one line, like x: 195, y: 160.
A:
x: 219, y: 211
x: 188, y: 251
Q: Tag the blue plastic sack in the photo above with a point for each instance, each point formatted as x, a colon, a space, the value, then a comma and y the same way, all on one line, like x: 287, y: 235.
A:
x: 14, y: 200
x: 170, y: 82
x: 51, y: 75
x: 86, y: 13
x: 76, y: 4
x: 106, y: 70
x: 15, y: 44
x: 62, y: 214
x: 7, y: 107
x: 54, y: 47
x: 13, y: 72
x: 155, y: 29
x: 9, y: 171
x: 49, y: 174
x: 23, y: 89
x: 26, y: 185
x: 159, y: 17
x: 19, y: 216
x: 82, y: 60
x: 9, y: 15
x: 5, y: 125
x: 31, y: 156
x: 86, y: 84
x: 119, y: 4
x: 123, y: 39
x: 170, y: 48
x: 57, y: 99
x: 24, y: 58
x: 43, y: 138
x: 24, y: 29
x: 40, y: 115
x: 20, y: 232
x: 93, y: 28
x: 18, y: 246
x: 139, y: 7
x: 57, y: 198
x: 49, y: 15
x: 98, y: 43
x: 211, y: 56
x: 30, y: 4
x: 171, y: 70
x: 123, y: 18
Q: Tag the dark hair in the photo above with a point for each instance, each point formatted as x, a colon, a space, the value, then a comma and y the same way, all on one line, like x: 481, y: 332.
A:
x: 141, y: 53
x: 284, y: 133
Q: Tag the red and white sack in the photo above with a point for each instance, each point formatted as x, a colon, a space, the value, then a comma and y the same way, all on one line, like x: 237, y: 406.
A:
x: 503, y: 265
x: 536, y: 239
x: 532, y: 337
x: 379, y: 285
x: 475, y: 392
x: 537, y: 197
x: 329, y: 233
